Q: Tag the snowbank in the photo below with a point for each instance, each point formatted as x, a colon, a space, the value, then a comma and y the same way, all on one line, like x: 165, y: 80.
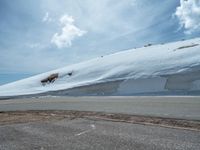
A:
x: 172, y: 67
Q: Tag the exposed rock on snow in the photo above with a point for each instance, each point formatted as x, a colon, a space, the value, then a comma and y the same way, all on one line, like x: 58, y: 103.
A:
x: 70, y: 74
x: 187, y: 46
x: 49, y: 79
x: 147, y: 45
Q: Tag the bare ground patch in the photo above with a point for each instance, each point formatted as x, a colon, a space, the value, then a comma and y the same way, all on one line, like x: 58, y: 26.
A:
x: 14, y: 117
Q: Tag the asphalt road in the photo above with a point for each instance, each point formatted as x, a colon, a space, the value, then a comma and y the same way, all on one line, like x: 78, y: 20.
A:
x: 84, y: 134
x: 172, y: 107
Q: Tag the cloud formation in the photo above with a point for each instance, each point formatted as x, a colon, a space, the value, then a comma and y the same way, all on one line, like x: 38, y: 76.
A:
x: 188, y: 14
x: 111, y: 26
x: 68, y: 34
x: 47, y: 18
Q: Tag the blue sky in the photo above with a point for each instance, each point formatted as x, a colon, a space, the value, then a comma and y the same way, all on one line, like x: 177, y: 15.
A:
x: 40, y: 35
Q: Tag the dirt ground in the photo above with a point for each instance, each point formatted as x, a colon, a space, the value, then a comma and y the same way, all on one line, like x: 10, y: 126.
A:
x: 14, y: 117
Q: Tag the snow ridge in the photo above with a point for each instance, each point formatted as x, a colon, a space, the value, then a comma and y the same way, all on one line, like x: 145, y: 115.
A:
x: 171, y: 67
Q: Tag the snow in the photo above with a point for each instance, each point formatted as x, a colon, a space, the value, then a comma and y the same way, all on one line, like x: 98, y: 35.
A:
x: 157, y: 68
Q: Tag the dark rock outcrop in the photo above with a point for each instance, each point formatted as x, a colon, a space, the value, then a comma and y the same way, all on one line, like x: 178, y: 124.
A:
x: 50, y: 79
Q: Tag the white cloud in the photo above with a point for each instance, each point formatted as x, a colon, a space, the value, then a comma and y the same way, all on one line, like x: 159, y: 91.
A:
x: 68, y: 34
x: 46, y: 18
x: 188, y: 14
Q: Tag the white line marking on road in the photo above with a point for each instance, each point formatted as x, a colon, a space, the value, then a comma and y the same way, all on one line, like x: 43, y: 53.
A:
x: 93, y: 127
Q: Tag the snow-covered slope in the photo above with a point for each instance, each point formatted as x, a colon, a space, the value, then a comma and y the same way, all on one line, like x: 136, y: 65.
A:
x: 164, y: 68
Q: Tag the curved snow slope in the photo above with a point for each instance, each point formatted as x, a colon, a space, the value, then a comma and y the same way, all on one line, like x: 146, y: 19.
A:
x: 158, y: 68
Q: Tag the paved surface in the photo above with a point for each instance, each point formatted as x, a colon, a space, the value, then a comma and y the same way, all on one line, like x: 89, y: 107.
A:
x: 175, y: 107
x: 83, y: 134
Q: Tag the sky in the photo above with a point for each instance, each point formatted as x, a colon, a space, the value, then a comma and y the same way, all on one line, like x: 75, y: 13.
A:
x: 41, y: 35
